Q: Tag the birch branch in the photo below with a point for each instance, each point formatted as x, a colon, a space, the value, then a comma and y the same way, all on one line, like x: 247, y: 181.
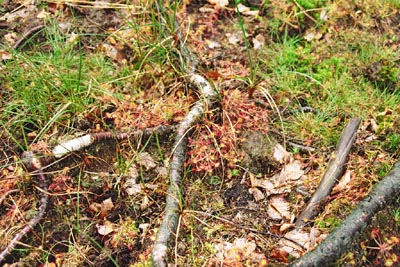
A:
x: 173, y: 202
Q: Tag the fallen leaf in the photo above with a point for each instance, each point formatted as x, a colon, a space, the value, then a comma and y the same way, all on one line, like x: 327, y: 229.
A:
x: 234, y: 38
x: 106, y: 206
x: 343, y: 182
x: 280, y: 255
x: 219, y: 3
x: 132, y: 188
x: 282, y: 182
x: 258, y: 41
x: 280, y: 154
x: 257, y: 194
x: 278, y: 208
x: 212, y: 44
x: 312, y: 36
x: 105, y: 229
x: 303, y: 238
x: 145, y: 203
x: 285, y: 226
x: 293, y: 170
x: 246, y: 10
x: 232, y: 254
x: 162, y: 172
x: 145, y: 160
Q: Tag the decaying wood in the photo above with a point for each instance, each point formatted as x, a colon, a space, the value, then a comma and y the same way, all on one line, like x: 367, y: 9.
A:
x: 340, y: 240
x: 332, y: 174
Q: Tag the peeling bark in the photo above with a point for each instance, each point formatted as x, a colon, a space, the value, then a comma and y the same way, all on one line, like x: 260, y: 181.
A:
x: 333, y: 172
x: 340, y: 240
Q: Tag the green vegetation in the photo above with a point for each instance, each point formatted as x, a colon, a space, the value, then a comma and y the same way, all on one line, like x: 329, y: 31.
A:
x: 322, y: 63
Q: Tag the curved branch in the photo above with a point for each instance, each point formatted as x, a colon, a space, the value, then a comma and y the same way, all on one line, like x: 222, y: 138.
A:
x: 339, y: 241
x: 170, y: 219
x: 36, y: 165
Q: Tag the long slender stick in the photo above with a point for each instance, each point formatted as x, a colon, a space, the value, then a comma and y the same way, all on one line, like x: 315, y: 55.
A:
x: 38, y: 169
x: 173, y: 206
x: 341, y: 239
x: 333, y: 172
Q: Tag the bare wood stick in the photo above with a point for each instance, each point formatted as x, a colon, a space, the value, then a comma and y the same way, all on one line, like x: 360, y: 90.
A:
x: 333, y: 172
x: 340, y: 240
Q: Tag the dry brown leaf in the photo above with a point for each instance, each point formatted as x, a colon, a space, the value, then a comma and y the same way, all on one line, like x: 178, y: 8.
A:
x: 234, y: 38
x: 280, y: 154
x: 343, y: 182
x: 278, y: 208
x: 305, y: 239
x: 293, y: 171
x: 106, y: 228
x: 232, y: 254
x: 145, y: 160
x: 145, y: 203
x: 257, y: 194
x: 246, y: 10
x: 258, y: 41
x: 282, y: 182
x: 106, y: 206
x: 132, y: 188
x: 212, y: 44
x: 219, y: 3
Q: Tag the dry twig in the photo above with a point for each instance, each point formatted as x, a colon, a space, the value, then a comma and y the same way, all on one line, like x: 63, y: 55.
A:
x: 35, y: 164
x: 333, y: 172
x: 340, y: 240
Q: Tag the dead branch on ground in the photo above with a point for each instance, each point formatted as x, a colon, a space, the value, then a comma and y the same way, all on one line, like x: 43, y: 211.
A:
x: 34, y: 163
x: 36, y: 166
x: 172, y: 210
x: 333, y: 172
x: 340, y: 240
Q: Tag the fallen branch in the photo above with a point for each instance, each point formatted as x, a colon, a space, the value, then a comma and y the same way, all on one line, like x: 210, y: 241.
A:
x: 340, y: 240
x: 27, y: 35
x: 333, y: 172
x: 35, y: 165
x: 170, y: 219
x: 207, y: 94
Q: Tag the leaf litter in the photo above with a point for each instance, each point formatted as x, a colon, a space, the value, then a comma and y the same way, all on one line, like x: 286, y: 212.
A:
x: 270, y: 192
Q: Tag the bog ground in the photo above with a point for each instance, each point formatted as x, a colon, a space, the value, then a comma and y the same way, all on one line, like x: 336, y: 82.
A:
x: 285, y: 78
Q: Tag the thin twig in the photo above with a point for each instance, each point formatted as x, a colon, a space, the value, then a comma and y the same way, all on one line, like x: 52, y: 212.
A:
x: 36, y: 164
x: 27, y: 35
x: 6, y: 194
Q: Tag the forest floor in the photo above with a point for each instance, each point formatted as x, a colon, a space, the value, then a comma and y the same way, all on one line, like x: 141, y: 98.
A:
x: 289, y: 76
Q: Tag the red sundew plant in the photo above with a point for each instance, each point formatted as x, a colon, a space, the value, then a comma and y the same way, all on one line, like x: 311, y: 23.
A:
x: 386, y: 249
x: 216, y: 145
